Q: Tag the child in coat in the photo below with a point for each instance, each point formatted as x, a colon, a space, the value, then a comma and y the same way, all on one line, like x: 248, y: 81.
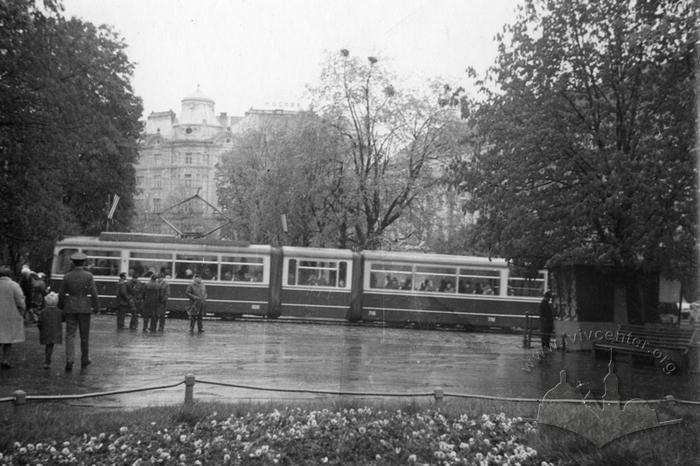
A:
x: 50, y: 326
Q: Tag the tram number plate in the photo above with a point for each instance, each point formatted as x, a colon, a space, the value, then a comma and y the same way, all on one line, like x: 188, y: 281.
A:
x: 492, y: 319
x: 255, y: 307
x: 372, y: 313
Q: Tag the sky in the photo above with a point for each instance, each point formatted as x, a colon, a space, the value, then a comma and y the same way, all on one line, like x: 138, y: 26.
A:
x: 263, y: 53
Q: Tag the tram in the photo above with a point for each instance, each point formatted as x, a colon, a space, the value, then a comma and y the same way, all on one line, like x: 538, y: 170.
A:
x: 324, y: 284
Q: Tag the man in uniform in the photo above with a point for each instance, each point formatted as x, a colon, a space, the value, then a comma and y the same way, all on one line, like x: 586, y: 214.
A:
x: 77, y: 307
x: 198, y: 300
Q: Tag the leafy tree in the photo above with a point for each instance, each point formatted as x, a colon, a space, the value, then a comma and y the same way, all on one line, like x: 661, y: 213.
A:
x: 390, y: 137
x: 588, y: 146
x: 291, y: 169
x: 68, y: 128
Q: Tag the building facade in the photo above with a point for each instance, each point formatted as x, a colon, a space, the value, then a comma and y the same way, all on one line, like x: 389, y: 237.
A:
x: 178, y: 155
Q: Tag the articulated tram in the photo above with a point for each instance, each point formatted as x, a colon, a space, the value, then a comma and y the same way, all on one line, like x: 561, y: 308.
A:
x: 247, y: 280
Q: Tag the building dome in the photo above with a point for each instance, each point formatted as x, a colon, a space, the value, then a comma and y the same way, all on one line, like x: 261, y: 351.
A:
x: 198, y: 109
x: 198, y: 96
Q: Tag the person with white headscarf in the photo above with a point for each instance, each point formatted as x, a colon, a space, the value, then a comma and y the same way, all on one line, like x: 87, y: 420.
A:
x: 12, y: 306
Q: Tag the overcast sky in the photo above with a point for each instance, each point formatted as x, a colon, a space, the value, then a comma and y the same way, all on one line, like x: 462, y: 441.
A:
x: 261, y: 53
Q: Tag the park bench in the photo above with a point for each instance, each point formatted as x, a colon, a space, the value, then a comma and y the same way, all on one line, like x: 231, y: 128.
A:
x: 661, y: 343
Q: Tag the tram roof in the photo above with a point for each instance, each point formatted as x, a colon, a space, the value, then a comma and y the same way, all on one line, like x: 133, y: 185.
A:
x: 290, y: 251
x: 429, y: 258
x: 155, y: 241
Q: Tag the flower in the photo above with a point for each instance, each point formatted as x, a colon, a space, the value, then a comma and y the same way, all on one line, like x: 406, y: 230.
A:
x: 123, y: 430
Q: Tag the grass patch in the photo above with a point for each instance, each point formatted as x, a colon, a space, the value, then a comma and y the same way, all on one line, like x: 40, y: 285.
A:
x: 360, y: 432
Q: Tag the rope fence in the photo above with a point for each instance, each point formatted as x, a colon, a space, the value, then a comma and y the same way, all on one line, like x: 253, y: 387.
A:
x: 20, y: 398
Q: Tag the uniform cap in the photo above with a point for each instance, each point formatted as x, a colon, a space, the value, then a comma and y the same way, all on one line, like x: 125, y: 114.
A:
x: 78, y: 256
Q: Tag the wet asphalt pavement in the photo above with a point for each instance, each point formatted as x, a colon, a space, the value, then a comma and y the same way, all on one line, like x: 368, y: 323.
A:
x: 334, y: 357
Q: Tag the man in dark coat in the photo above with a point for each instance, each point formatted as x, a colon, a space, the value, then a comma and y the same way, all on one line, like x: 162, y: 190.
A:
x: 546, y: 319
x: 136, y: 301
x: 163, y: 304
x: 123, y: 300
x: 77, y: 307
x: 151, y: 301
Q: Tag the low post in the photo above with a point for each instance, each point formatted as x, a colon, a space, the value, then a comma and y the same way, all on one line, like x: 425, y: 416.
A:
x: 189, y: 389
x: 20, y: 400
x: 438, y: 394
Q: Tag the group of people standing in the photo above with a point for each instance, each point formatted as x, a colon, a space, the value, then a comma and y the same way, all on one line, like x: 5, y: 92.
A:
x: 74, y: 305
x: 149, y: 299
x: 76, y: 301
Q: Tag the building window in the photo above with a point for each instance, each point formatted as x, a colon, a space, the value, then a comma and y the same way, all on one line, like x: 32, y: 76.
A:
x: 156, y: 181
x: 188, y: 180
x: 188, y: 158
x: 156, y: 160
x: 156, y: 205
x: 139, y: 181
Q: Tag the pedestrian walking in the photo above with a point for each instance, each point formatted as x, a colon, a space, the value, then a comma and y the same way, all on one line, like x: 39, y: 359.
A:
x: 197, y: 294
x: 50, y: 325
x: 77, y: 308
x: 25, y: 283
x: 163, y: 304
x: 151, y: 301
x: 136, y: 301
x: 546, y: 319
x: 123, y: 300
x: 12, y: 306
x: 39, y: 291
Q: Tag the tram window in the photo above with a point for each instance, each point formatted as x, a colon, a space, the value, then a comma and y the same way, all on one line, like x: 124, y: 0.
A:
x: 433, y: 278
x: 479, y: 281
x: 143, y: 264
x: 391, y: 276
x: 342, y: 274
x: 317, y: 273
x: 518, y: 286
x: 292, y: 272
x: 103, y: 263
x: 235, y: 268
x: 431, y: 282
x: 62, y: 263
x: 187, y: 265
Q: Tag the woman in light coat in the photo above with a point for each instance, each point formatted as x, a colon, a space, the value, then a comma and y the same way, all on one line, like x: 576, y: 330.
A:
x: 12, y: 307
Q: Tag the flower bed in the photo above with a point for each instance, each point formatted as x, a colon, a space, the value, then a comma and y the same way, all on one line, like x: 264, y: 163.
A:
x: 299, y: 436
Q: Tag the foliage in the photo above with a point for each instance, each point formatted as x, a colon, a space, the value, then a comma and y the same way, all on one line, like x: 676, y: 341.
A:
x: 68, y: 128
x: 390, y: 139
x: 588, y: 146
x: 292, y: 169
